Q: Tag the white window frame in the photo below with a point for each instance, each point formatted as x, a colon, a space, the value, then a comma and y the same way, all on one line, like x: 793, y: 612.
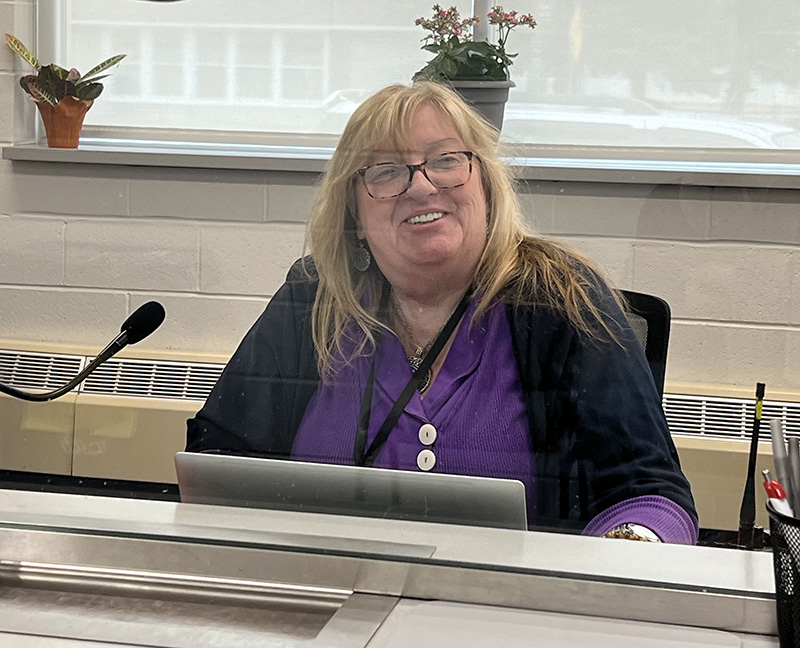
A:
x: 703, y: 166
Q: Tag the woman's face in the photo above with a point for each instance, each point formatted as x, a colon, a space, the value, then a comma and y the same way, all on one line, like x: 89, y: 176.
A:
x: 426, y: 232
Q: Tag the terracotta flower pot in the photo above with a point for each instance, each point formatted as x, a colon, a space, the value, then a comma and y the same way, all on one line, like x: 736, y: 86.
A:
x: 64, y: 121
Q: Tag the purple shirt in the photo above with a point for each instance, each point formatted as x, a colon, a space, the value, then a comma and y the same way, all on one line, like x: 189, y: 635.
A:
x: 474, y: 412
x: 475, y: 406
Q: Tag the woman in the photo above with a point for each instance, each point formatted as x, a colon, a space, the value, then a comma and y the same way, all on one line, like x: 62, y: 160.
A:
x: 509, y: 355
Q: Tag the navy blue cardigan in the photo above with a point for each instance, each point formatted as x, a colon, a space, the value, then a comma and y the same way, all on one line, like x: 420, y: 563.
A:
x: 598, y: 430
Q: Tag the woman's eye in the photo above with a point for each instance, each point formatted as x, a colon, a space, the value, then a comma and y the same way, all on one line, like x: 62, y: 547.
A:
x: 446, y: 161
x: 385, y: 173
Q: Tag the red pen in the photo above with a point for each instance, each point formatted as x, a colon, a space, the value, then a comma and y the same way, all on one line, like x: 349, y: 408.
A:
x: 776, y: 494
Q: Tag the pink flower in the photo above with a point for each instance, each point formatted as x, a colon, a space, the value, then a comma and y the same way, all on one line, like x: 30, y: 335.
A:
x: 449, y: 32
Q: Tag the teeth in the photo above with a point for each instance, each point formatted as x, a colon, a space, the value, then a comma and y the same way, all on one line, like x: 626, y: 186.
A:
x: 425, y: 218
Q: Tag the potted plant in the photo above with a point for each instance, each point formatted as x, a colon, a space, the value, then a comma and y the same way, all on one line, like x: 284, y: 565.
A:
x: 478, y: 70
x: 62, y: 96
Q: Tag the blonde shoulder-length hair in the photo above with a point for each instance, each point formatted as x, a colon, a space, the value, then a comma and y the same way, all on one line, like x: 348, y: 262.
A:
x: 517, y: 266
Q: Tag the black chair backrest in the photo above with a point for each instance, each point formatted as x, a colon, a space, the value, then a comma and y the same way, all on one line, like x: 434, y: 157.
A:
x: 650, y: 319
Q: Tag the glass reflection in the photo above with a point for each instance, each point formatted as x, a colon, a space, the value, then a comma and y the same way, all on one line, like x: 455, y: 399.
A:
x: 430, y: 331
x: 58, y: 452
x: 680, y: 74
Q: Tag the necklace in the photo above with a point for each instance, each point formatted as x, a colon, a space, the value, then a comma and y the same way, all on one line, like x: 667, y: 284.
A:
x: 415, y: 360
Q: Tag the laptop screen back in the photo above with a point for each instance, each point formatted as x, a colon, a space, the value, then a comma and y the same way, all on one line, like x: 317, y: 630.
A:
x: 350, y: 490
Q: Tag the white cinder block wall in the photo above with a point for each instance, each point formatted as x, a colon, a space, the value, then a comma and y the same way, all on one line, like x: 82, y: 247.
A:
x: 726, y: 259
x: 81, y: 246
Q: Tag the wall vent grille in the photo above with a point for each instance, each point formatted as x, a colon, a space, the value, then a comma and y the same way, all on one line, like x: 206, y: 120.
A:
x: 726, y: 417
x: 708, y: 416
x: 45, y: 371
x: 125, y: 377
x: 153, y: 379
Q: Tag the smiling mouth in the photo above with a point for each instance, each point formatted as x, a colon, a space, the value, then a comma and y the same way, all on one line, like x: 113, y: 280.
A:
x: 425, y: 218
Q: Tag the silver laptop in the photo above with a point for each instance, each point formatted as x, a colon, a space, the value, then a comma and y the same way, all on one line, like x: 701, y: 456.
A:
x: 350, y: 490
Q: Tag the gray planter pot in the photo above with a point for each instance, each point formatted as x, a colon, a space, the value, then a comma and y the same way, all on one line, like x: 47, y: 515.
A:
x: 487, y: 97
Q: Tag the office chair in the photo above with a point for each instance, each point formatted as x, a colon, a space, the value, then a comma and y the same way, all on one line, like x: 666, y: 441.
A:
x: 650, y: 319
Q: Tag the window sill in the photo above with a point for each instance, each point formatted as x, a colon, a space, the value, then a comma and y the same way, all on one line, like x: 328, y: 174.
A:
x: 205, y: 155
x: 751, y: 168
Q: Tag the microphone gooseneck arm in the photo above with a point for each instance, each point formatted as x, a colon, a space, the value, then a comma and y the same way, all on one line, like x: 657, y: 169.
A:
x: 146, y: 319
x: 116, y: 345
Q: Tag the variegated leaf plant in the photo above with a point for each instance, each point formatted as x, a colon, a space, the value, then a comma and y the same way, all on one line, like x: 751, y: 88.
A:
x: 52, y: 83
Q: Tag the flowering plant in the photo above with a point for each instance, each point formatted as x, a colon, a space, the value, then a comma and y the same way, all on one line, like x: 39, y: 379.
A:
x: 458, y: 57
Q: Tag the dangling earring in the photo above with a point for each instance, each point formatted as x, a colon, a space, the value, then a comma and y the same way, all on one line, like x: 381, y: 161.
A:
x: 361, y: 257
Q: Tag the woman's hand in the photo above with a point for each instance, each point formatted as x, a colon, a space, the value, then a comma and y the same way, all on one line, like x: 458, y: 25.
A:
x: 633, y: 532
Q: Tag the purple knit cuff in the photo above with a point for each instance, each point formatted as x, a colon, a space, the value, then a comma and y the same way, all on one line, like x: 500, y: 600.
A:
x: 659, y: 514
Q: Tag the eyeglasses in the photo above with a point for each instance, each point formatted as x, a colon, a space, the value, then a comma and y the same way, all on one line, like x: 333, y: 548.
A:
x: 445, y: 171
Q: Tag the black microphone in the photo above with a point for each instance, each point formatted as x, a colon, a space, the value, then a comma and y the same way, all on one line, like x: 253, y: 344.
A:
x: 142, y: 322
x: 747, y: 512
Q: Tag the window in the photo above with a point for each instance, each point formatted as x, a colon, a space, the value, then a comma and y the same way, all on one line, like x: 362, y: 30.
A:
x: 270, y: 66
x: 719, y: 74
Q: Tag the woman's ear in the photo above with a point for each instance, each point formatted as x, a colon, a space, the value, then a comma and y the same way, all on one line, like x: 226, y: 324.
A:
x: 359, y: 230
x: 352, y: 214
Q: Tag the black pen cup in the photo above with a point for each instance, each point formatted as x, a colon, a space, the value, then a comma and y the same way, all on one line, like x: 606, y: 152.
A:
x: 785, y: 539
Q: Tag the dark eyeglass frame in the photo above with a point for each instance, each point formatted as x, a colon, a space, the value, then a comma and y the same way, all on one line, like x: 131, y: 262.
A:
x: 412, y: 168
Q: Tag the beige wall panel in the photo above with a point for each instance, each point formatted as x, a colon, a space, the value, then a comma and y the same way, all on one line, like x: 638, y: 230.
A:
x: 717, y: 471
x: 128, y: 438
x: 37, y: 437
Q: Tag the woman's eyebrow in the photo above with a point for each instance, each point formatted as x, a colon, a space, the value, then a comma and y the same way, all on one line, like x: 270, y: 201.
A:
x: 387, y: 156
x: 449, y: 141
x: 393, y: 155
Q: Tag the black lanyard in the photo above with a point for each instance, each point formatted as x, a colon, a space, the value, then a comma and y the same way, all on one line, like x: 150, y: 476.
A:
x: 364, y: 456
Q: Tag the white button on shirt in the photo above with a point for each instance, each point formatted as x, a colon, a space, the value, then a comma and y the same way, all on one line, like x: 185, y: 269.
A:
x: 427, y: 434
x: 426, y: 460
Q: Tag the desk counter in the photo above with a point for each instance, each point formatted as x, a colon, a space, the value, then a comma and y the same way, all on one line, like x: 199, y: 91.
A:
x: 78, y: 569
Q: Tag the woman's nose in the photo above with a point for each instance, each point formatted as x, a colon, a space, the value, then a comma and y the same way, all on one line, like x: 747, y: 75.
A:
x: 419, y: 184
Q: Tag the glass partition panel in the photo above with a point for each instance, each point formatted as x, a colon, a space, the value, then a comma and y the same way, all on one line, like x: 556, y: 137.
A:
x: 293, y: 70
x: 716, y: 75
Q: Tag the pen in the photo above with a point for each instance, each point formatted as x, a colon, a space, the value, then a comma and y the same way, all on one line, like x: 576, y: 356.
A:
x: 780, y: 458
x: 776, y: 494
x: 794, y: 468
